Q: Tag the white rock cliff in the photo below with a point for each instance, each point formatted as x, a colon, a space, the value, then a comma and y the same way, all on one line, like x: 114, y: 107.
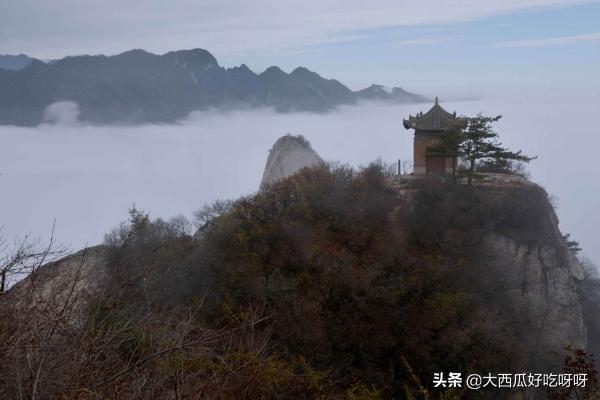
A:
x: 288, y: 155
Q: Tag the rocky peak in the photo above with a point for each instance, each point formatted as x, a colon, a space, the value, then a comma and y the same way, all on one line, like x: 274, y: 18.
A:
x: 273, y: 73
x: 195, y: 58
x: 288, y: 155
x: 304, y: 73
x: 135, y: 55
x: 242, y: 72
x: 382, y: 93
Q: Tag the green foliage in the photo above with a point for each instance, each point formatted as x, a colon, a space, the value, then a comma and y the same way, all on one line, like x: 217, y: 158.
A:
x: 481, y: 143
x: 502, y: 166
x: 478, y: 144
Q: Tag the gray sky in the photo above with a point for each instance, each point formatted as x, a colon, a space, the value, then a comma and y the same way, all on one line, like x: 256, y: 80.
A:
x: 395, y: 42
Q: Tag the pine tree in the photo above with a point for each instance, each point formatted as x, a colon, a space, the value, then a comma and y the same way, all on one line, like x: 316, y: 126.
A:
x: 476, y: 142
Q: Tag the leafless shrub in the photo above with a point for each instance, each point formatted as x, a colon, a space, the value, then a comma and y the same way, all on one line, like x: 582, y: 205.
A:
x: 24, y: 257
x: 50, y: 350
x: 209, y: 212
x: 386, y: 169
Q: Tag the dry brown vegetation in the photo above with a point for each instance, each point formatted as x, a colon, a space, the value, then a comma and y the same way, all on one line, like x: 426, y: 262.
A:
x: 326, y: 285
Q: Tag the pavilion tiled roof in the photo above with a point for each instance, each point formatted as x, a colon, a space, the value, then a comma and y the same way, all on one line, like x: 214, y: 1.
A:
x: 436, y: 120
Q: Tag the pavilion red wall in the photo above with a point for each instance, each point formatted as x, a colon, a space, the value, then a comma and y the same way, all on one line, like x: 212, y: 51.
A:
x: 421, y: 142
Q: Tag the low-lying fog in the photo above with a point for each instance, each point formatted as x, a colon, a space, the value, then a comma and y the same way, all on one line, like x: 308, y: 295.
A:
x: 87, y: 177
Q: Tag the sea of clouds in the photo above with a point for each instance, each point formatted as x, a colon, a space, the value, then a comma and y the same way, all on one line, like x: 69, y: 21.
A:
x: 87, y: 177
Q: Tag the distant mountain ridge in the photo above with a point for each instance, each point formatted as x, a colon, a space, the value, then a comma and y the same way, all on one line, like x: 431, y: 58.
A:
x: 14, y: 62
x: 140, y: 87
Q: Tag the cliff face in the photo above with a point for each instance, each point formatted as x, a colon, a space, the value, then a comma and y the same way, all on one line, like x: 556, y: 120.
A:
x: 536, y: 270
x: 65, y: 285
x: 288, y: 155
x: 541, y: 277
x: 541, y: 281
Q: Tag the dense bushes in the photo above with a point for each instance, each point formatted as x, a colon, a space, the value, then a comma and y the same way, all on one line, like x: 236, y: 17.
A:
x: 119, y: 353
x: 328, y: 284
x: 149, y: 261
x: 448, y: 214
x: 356, y: 280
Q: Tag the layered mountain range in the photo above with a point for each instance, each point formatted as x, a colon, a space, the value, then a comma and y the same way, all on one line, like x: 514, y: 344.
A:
x: 141, y: 87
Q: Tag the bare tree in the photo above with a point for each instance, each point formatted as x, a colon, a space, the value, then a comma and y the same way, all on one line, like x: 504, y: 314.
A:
x: 211, y: 211
x: 25, y: 256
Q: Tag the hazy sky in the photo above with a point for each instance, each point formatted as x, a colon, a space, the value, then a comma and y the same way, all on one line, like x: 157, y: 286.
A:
x: 455, y: 47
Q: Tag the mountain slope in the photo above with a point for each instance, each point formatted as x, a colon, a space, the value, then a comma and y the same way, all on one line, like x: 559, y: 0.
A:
x: 325, y: 282
x: 138, y: 87
x: 396, y: 95
x: 14, y: 63
x: 367, y: 279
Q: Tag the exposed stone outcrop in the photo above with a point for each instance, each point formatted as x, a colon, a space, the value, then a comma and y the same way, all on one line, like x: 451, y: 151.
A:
x: 64, y: 285
x: 539, y: 277
x: 288, y: 155
x: 541, y: 282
